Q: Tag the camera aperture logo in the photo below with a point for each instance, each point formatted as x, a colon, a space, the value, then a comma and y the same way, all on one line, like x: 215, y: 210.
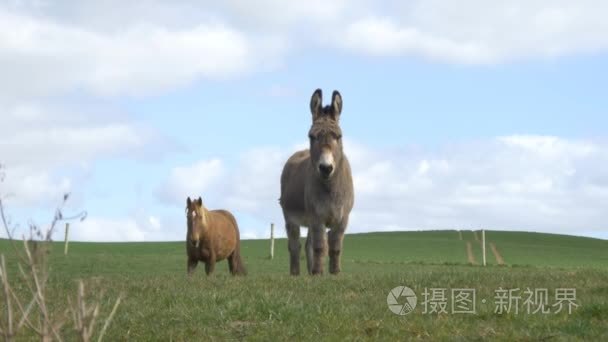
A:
x: 401, y: 300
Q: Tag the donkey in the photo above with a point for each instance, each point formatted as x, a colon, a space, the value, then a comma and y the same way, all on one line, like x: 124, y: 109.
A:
x: 213, y: 235
x: 317, y: 190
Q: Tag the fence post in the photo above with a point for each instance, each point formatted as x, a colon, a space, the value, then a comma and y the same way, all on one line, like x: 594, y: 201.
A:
x: 271, y: 241
x: 67, y: 230
x: 483, y: 245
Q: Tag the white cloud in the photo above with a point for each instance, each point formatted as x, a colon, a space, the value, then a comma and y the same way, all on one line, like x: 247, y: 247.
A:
x: 249, y: 236
x: 192, y: 181
x: 104, y: 230
x: 479, y: 32
x: 284, y: 16
x: 551, y: 147
x: 51, y: 53
x: 154, y: 222
x: 150, y: 47
x: 53, y: 144
x: 132, y: 227
x: 280, y: 91
x: 48, y: 150
x: 535, y: 183
x: 40, y: 56
x: 518, y: 182
x: 249, y: 186
x: 25, y: 186
x: 383, y: 37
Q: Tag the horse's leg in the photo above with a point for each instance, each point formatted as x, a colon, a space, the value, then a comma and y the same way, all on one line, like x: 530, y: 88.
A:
x: 210, y: 264
x: 232, y: 262
x: 335, y: 238
x: 319, y: 242
x: 309, y: 253
x: 191, y: 266
x: 293, y: 233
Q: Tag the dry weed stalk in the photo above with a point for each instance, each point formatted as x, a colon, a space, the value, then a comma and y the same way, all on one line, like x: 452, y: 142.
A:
x: 34, y: 313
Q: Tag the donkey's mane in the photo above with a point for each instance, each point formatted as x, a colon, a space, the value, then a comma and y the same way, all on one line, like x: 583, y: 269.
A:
x: 324, y: 125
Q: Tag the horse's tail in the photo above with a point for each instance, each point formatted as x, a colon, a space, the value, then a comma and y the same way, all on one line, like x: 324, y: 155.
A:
x: 239, y: 266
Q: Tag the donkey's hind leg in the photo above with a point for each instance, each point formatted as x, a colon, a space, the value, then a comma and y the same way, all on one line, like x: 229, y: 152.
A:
x: 293, y: 233
x: 309, y: 253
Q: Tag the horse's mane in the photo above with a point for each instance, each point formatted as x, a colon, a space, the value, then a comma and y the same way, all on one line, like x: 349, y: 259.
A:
x: 203, y: 211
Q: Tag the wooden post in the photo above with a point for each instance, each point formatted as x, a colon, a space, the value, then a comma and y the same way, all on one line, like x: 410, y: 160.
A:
x: 483, y: 245
x: 271, y: 241
x: 459, y: 235
x: 67, y: 230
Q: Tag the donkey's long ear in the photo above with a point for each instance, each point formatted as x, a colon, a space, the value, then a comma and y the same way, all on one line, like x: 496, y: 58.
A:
x: 316, y: 104
x: 188, y: 202
x: 336, y: 104
x: 199, y: 201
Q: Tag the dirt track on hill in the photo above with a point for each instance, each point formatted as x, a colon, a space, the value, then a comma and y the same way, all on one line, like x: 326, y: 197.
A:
x: 470, y: 255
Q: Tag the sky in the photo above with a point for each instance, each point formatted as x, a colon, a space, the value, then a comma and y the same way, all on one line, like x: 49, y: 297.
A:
x: 456, y: 115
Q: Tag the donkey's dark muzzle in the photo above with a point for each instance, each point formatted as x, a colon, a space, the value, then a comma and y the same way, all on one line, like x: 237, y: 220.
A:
x: 325, y: 170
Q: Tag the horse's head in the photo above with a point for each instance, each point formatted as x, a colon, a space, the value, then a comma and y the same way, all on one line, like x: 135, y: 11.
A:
x: 197, y: 220
x: 325, y: 134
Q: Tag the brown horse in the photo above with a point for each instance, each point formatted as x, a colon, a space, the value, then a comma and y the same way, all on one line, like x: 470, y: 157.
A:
x: 213, y: 235
x: 317, y: 190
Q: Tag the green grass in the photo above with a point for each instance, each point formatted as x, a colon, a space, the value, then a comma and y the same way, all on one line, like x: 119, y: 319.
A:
x: 162, y: 304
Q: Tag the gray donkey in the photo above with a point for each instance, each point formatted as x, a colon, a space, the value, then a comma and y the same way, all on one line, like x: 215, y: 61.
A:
x: 317, y: 190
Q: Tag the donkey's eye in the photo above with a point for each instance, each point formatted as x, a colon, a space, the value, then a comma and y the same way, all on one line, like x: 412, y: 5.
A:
x: 312, y: 137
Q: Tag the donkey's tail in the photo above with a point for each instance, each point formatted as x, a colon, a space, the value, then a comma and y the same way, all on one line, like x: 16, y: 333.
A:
x: 239, y: 266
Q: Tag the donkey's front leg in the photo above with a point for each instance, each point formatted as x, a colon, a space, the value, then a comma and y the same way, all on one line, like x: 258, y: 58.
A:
x: 319, y: 243
x: 335, y: 237
x: 293, y: 233
x: 308, y: 248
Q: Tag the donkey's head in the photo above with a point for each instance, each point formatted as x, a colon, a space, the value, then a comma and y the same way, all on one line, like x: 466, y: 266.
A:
x: 197, y: 220
x: 325, y: 134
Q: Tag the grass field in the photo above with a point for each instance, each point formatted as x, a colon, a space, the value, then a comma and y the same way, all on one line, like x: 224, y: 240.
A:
x: 162, y: 304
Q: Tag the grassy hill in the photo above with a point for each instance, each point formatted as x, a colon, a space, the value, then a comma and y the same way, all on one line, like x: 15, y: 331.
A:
x: 162, y: 304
